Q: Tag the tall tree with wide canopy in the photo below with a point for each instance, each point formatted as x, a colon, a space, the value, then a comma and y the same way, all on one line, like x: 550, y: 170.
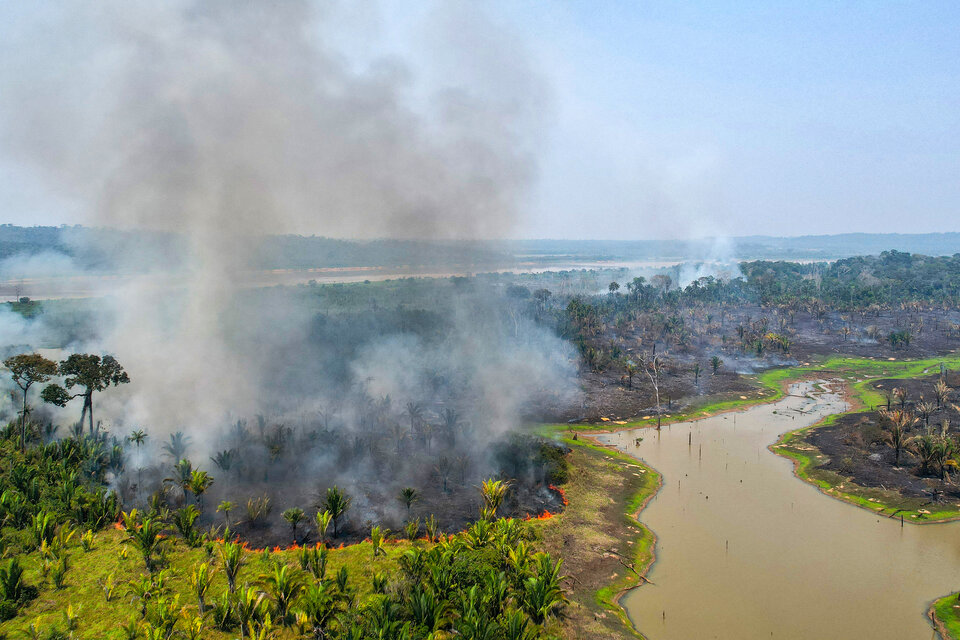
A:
x: 92, y: 373
x: 25, y: 370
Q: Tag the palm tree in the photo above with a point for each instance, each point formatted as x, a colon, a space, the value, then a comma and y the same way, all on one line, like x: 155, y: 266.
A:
x: 138, y: 437
x: 443, y: 469
x: 248, y: 605
x: 336, y: 502
x: 409, y: 495
x: 320, y: 602
x: 293, y: 516
x: 323, y: 519
x: 225, y: 459
x: 901, y: 394
x: 185, y: 519
x: 415, y: 413
x: 285, y: 586
x: 451, y: 420
x: 182, y: 473
x: 378, y: 536
x: 225, y: 507
x: 200, y: 583
x: 399, y: 432
x: 944, y: 450
x: 493, y: 493
x: 925, y: 447
x: 177, y: 447
x: 147, y: 538
x: 231, y: 555
x: 925, y: 408
x: 199, y: 482
x: 942, y: 391
x: 426, y: 432
x: 630, y: 368
x: 888, y: 396
x: 898, y: 422
x: 542, y: 593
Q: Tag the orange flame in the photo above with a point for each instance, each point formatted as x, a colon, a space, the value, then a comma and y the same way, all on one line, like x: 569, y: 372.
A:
x: 563, y: 494
x: 546, y: 515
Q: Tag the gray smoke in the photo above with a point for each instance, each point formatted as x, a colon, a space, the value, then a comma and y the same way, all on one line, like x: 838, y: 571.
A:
x: 225, y: 120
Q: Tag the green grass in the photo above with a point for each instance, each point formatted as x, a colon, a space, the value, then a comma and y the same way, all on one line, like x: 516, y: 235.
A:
x: 946, y: 617
x: 99, y: 618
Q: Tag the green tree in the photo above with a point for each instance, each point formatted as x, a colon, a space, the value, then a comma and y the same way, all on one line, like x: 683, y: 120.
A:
x: 898, y: 422
x: 293, y: 516
x: 231, y: 556
x: 147, y: 537
x: 199, y: 482
x: 27, y: 369
x: 200, y: 580
x: 176, y: 448
x: 336, y: 502
x: 493, y: 493
x: 89, y: 371
x: 225, y: 507
x: 323, y: 525
x: 409, y: 495
x: 138, y: 437
x: 285, y: 585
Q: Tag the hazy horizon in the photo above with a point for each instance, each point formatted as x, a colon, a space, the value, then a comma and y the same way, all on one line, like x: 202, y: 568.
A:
x: 658, y: 121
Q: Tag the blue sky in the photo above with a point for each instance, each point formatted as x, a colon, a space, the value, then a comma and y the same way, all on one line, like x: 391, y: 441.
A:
x: 701, y: 118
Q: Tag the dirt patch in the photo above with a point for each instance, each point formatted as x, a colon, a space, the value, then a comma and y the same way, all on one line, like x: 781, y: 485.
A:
x: 605, y: 396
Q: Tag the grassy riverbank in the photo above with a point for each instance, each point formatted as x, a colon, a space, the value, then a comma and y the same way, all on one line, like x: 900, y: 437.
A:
x: 604, y: 548
x: 858, y: 373
x: 945, y: 615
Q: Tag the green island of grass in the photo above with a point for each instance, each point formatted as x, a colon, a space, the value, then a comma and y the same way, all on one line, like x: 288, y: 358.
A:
x: 945, y: 615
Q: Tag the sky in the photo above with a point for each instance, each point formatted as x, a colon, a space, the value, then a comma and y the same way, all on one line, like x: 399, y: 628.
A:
x: 678, y: 119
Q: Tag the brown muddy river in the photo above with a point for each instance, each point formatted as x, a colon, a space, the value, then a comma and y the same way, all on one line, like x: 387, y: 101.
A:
x: 746, y: 550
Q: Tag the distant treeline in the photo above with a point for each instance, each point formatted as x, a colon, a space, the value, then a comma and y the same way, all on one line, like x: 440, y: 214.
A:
x: 890, y: 279
x: 110, y: 249
x: 819, y: 247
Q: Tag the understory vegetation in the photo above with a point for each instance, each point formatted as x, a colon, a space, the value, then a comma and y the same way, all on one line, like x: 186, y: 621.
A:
x: 79, y: 567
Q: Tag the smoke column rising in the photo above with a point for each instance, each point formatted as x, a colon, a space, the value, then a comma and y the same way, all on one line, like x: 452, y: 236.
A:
x: 223, y: 121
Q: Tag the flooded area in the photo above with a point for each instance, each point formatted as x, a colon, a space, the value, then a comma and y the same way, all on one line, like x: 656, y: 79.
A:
x: 746, y: 550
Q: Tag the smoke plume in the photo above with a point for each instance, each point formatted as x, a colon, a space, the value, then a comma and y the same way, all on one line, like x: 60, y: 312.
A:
x: 222, y: 121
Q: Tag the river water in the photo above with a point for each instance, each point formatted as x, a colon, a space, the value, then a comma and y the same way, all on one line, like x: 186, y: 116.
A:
x: 745, y: 550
